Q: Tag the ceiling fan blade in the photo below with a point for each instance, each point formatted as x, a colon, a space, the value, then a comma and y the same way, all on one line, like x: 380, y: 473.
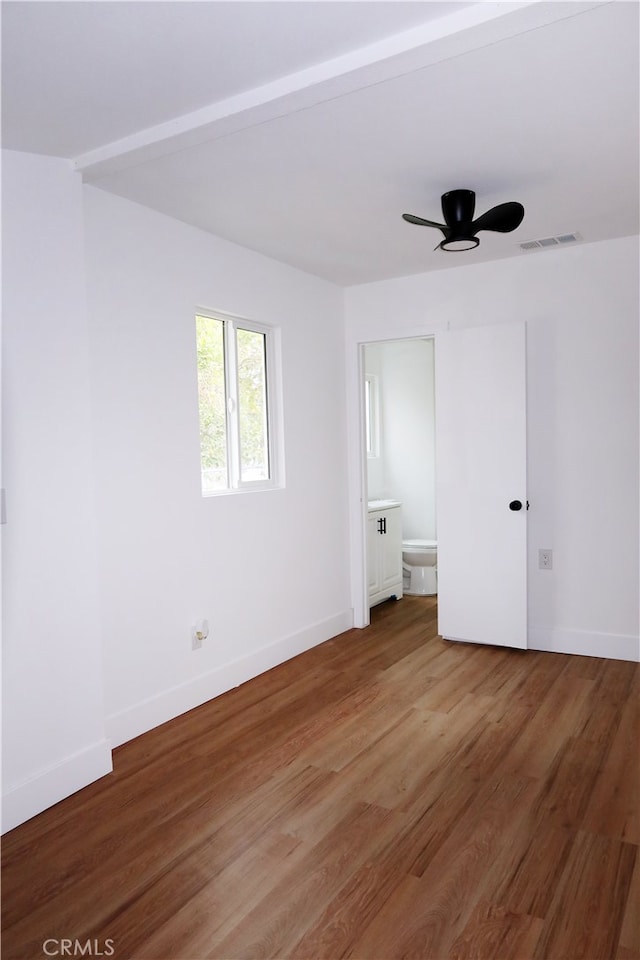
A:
x: 504, y: 218
x: 421, y: 222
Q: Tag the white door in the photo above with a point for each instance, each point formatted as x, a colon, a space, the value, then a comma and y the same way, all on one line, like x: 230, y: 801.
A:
x: 480, y: 480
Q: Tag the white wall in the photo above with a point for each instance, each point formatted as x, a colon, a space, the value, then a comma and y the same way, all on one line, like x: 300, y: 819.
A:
x: 108, y: 539
x: 405, y: 469
x: 53, y: 726
x: 270, y: 570
x: 581, y: 308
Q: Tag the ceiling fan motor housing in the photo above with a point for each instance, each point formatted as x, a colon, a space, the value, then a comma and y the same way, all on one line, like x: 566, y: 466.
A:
x: 458, y: 207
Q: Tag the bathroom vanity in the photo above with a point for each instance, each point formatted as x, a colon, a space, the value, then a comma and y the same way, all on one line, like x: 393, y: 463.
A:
x: 384, y: 550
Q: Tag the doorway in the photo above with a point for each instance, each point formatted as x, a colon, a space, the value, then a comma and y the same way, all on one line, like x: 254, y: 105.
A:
x: 480, y: 482
x: 399, y: 391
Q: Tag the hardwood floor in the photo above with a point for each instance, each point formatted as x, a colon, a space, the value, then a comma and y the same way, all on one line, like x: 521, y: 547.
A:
x: 384, y: 795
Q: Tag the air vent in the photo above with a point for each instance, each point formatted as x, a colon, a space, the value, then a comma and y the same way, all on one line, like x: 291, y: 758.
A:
x: 550, y: 241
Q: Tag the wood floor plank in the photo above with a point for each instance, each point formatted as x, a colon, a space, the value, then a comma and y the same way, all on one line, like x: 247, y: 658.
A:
x: 138, y: 803
x: 617, y: 680
x: 353, y: 908
x: 431, y: 816
x: 391, y: 773
x: 217, y: 836
x: 438, y: 905
x: 422, y: 661
x: 630, y: 930
x: 454, y: 791
x: 385, y: 794
x: 493, y: 931
x: 525, y: 677
x: 568, y: 786
x: 274, y: 927
x: 466, y: 676
x: 623, y: 953
x: 598, y: 877
x: 614, y: 804
x: 557, y: 718
x: 159, y: 924
x: 529, y: 869
x: 359, y: 731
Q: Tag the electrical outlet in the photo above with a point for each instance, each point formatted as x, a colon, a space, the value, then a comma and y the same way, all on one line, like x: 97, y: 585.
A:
x: 545, y: 559
x: 199, y: 632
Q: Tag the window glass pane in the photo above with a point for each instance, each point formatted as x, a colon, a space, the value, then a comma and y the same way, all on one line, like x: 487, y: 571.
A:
x: 212, y: 403
x: 252, y: 405
x: 367, y: 415
x: 371, y: 416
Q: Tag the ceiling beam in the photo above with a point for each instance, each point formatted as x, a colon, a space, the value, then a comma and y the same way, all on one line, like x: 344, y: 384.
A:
x: 470, y: 28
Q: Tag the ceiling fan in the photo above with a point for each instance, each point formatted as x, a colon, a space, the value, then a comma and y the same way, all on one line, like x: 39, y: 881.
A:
x: 459, y: 227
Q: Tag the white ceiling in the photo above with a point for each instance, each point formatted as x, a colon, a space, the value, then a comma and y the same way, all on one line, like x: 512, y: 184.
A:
x: 304, y: 130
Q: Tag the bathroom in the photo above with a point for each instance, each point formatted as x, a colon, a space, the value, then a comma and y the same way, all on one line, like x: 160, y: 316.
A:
x: 400, y: 446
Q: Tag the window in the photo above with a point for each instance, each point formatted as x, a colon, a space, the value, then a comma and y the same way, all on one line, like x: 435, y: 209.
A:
x: 235, y: 358
x: 371, y: 415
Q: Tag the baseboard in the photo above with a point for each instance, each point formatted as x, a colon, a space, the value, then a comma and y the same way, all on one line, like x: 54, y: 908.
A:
x: 53, y: 784
x: 144, y: 716
x: 612, y: 646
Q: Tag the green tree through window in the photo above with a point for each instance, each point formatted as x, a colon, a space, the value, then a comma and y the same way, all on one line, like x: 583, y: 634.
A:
x: 252, y: 405
x: 233, y: 404
x: 212, y: 401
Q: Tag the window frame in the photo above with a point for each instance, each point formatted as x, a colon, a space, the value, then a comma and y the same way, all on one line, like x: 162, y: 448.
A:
x: 372, y: 415
x: 273, y: 413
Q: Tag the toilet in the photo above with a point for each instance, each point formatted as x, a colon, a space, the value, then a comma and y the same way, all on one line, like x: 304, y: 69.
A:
x: 419, y: 567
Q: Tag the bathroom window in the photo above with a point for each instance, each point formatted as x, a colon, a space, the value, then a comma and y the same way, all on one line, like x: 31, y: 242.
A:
x: 371, y: 415
x: 235, y: 399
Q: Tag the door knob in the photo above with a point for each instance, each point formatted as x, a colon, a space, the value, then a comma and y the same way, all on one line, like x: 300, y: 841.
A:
x: 515, y: 505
